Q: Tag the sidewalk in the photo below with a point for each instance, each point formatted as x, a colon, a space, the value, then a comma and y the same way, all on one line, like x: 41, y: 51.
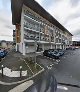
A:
x: 11, y: 70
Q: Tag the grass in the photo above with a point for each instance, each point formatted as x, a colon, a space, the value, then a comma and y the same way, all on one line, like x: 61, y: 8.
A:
x: 31, y: 63
x: 16, y: 67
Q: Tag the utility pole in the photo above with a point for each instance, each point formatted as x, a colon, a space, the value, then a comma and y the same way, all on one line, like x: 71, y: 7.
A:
x: 35, y: 52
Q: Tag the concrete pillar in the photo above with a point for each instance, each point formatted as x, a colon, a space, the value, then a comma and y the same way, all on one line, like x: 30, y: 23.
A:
x: 17, y: 47
x: 24, y: 49
x: 43, y: 47
x: 51, y: 46
x: 56, y: 46
x: 60, y: 47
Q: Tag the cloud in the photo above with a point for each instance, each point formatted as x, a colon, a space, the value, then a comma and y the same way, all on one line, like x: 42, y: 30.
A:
x: 6, y: 27
x: 76, y: 38
x: 74, y: 2
x: 67, y: 13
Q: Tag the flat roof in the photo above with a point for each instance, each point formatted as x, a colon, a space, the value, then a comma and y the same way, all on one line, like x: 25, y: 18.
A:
x: 16, y: 7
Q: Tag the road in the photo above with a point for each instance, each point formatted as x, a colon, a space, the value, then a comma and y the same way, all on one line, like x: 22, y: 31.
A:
x: 66, y: 71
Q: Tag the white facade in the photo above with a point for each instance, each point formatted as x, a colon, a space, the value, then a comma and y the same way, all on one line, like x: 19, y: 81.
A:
x: 36, y: 28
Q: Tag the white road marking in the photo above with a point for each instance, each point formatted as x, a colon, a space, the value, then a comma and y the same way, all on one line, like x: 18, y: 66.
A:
x: 49, y: 67
x: 22, y: 87
x: 51, y: 64
x: 50, y: 58
x: 62, y: 87
x: 55, y: 62
x: 44, y: 56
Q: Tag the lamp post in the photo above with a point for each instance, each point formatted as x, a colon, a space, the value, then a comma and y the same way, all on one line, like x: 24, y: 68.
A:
x: 35, y: 51
x: 2, y: 69
x: 20, y: 71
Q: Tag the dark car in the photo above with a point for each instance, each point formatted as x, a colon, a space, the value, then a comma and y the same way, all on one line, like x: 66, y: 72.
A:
x: 55, y: 54
x: 61, y: 52
x: 51, y: 53
x: 3, y: 53
x: 45, y: 53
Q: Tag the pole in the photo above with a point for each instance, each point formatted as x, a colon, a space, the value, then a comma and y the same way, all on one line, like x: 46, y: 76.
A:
x: 20, y: 71
x: 2, y: 69
x: 35, y: 52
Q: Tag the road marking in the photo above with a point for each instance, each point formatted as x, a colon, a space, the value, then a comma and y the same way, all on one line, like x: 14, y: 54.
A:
x: 22, y: 87
x: 44, y: 56
x: 50, y: 58
x: 55, y: 62
x: 62, y: 87
x: 51, y: 65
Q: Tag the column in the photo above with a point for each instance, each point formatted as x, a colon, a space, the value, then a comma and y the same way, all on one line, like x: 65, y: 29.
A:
x: 24, y: 49
x: 43, y: 47
x: 60, y: 47
x: 51, y: 46
x: 16, y: 47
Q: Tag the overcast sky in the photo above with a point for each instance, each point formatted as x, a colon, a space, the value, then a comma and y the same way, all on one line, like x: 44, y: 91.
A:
x: 67, y: 12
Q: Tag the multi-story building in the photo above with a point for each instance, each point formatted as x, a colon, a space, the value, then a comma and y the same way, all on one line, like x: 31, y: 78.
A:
x: 76, y: 43
x: 35, y: 27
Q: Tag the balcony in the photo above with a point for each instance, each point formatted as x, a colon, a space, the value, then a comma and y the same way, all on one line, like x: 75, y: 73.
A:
x: 31, y: 37
x: 28, y: 29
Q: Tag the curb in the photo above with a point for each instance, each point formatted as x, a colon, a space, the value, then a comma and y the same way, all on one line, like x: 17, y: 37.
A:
x: 4, y: 83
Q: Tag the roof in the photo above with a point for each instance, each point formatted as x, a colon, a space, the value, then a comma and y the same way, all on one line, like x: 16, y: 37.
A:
x: 16, y: 7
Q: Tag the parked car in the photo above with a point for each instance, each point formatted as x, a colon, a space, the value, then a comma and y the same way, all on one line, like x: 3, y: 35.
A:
x: 61, y: 52
x: 70, y: 48
x: 3, y: 53
x: 55, y: 54
x: 51, y: 53
x: 45, y: 53
x: 77, y: 47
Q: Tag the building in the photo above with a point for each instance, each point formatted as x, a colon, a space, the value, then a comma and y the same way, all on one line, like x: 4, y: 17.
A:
x: 35, y: 27
x: 76, y: 43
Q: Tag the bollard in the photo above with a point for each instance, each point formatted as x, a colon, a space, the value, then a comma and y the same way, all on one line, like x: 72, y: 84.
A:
x: 2, y: 69
x: 20, y: 71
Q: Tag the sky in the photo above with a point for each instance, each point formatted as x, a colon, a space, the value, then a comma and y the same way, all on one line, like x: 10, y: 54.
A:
x: 67, y: 12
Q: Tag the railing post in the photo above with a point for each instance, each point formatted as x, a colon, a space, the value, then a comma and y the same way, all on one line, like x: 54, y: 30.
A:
x: 2, y: 69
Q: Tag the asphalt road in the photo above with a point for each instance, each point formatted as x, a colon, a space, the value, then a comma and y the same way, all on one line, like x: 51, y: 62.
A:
x: 66, y: 71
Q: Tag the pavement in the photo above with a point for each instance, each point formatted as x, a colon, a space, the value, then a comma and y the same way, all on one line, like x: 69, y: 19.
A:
x: 11, y: 71
x: 66, y: 70
x: 11, y: 79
